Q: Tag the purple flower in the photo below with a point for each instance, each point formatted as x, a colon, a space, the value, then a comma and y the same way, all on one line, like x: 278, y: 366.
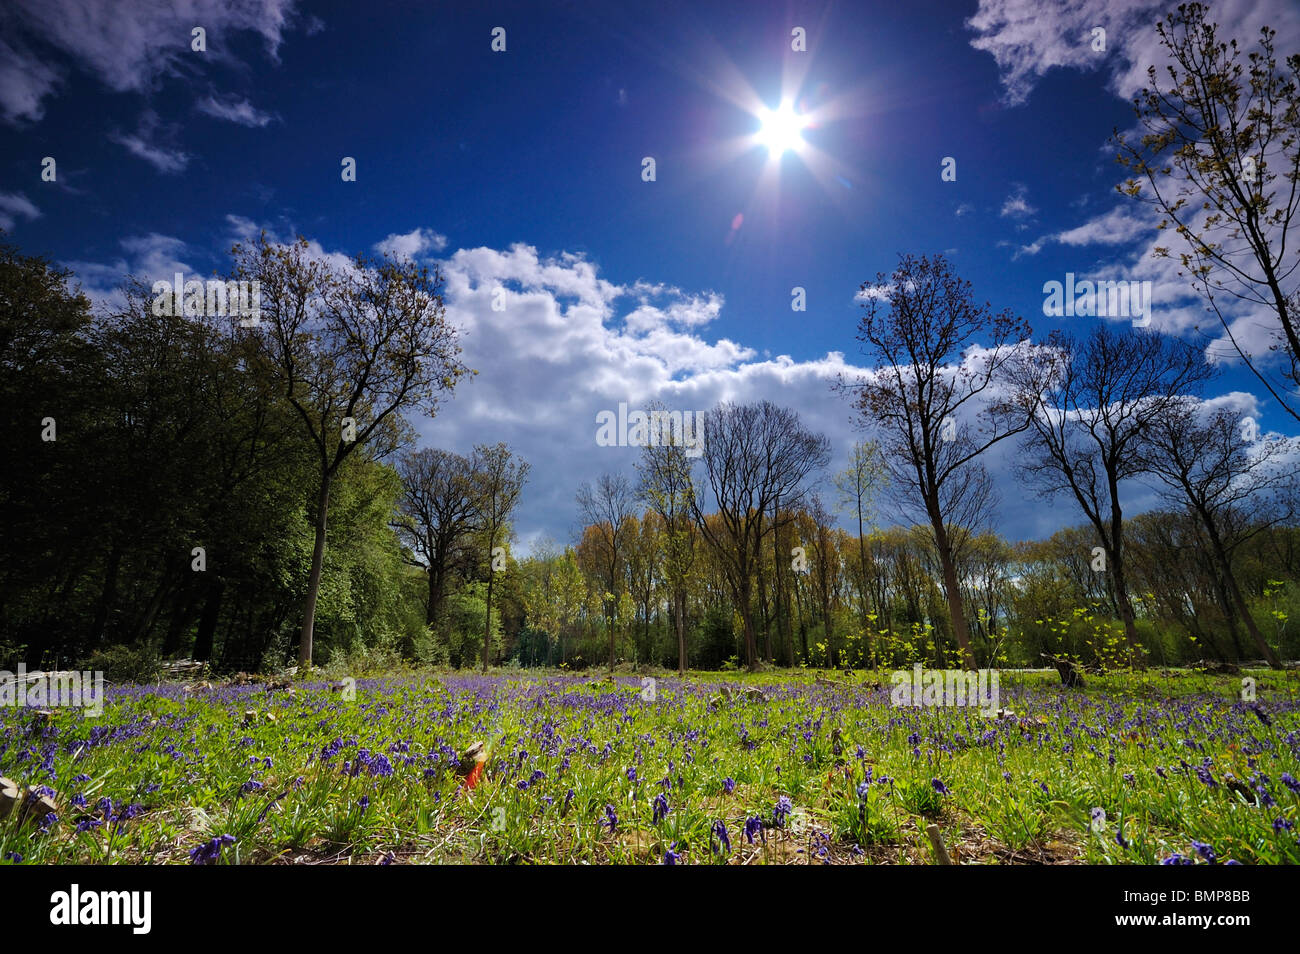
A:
x: 754, y: 826
x: 1205, y: 851
x: 208, y: 852
x: 660, y: 808
x: 728, y: 785
x: 610, y: 819
x: 939, y: 787
x: 1289, y: 781
x: 720, y: 833
x: 671, y: 857
x: 781, y: 812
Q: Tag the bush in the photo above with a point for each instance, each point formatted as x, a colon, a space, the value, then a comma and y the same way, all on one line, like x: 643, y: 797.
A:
x: 123, y: 663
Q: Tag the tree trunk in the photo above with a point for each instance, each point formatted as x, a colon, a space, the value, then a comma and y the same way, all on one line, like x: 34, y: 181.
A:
x: 208, y: 620
x: 313, y: 582
x: 681, y: 630
x: 435, y: 597
x: 107, y: 596
x: 487, y: 622
x: 180, y: 620
x: 952, y: 590
x: 1221, y: 554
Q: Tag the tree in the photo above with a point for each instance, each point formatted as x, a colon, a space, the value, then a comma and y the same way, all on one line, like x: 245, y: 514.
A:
x: 923, y: 329
x: 1218, y: 137
x: 606, y: 508
x: 1234, y: 487
x: 1092, y: 403
x: 501, y: 480
x: 667, y: 487
x: 352, y: 348
x: 754, y: 455
x: 857, y: 487
x: 439, y: 512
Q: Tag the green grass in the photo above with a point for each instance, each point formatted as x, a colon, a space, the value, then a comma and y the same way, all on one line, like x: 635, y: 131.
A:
x: 1171, y: 759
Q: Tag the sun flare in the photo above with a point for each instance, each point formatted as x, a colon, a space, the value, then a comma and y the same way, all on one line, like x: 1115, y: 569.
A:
x: 781, y: 129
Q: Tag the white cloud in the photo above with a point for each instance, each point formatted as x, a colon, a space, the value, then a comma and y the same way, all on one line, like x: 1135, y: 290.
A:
x: 13, y: 205
x: 150, y: 258
x: 152, y: 142
x: 128, y: 45
x: 414, y: 244
x: 24, y: 82
x: 1117, y: 227
x: 239, y: 111
x: 570, y: 344
x: 1016, y: 206
x: 1027, y: 38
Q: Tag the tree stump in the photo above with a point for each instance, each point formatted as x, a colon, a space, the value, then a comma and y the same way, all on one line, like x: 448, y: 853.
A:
x: 1071, y: 675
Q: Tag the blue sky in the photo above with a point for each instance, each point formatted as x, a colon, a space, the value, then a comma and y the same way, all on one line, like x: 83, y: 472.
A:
x: 523, y: 168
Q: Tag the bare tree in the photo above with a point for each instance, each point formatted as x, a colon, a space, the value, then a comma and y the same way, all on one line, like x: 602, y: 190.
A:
x: 607, y: 508
x: 667, y: 488
x: 1093, y: 402
x: 754, y: 455
x: 941, y: 359
x: 351, y: 349
x: 439, y: 511
x: 1233, y: 486
x: 857, y: 487
x: 1219, y: 136
x: 501, y: 479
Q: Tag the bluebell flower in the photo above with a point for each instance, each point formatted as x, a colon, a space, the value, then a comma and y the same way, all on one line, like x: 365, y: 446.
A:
x: 660, y: 808
x: 720, y: 833
x: 781, y: 812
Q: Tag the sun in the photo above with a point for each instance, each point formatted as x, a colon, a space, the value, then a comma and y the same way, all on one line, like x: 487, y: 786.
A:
x: 781, y: 129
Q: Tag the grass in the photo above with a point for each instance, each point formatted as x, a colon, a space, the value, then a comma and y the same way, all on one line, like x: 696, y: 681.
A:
x: 1139, y: 768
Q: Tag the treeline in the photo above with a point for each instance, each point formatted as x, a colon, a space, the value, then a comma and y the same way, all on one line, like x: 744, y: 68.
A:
x: 837, y: 610
x: 241, y: 492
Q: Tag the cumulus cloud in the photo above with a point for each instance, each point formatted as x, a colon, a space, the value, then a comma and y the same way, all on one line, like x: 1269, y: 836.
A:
x: 150, y: 258
x: 414, y: 244
x: 569, y: 344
